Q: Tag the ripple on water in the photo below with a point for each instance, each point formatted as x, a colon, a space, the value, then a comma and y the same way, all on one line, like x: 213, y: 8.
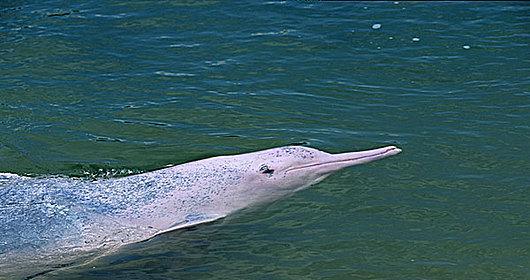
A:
x: 184, y: 45
x: 173, y: 74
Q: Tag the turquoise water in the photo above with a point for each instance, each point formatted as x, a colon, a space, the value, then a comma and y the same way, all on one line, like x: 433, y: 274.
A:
x: 93, y: 89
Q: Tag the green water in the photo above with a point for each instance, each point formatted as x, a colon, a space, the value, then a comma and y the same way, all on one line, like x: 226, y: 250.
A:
x: 93, y: 88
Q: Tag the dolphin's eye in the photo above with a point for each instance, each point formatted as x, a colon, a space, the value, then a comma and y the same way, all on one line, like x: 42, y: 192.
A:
x: 265, y: 169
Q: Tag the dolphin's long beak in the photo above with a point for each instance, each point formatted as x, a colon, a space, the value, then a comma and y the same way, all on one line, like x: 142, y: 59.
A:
x: 338, y: 161
x: 361, y: 157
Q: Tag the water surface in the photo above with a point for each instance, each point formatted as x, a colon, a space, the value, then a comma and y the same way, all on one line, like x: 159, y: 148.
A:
x: 95, y: 89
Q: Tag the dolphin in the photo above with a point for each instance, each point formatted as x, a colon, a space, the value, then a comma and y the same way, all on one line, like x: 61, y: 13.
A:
x: 59, y: 218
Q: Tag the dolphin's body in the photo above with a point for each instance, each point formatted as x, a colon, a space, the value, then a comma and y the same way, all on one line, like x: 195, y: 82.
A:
x: 43, y: 219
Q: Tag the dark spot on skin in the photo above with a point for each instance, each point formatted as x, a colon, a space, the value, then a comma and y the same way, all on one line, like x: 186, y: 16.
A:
x: 266, y: 170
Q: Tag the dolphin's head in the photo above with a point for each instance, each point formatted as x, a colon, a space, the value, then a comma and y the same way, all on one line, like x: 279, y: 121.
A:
x: 237, y: 181
x: 286, y: 169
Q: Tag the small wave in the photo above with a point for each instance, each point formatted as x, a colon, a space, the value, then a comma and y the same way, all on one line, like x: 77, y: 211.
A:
x: 122, y: 15
x: 99, y: 138
x: 274, y: 2
x: 184, y: 45
x: 281, y: 32
x: 108, y: 173
x: 171, y: 74
x: 217, y: 63
x: 96, y: 171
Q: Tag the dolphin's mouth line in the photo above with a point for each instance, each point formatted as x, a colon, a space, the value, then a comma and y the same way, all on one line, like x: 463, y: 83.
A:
x: 340, y: 161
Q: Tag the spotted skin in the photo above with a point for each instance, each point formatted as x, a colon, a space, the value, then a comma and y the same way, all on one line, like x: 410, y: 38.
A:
x: 48, y: 219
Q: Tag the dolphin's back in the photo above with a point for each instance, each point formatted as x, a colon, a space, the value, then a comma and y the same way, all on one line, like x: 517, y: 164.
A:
x: 56, y: 220
x: 36, y: 212
x: 64, y: 214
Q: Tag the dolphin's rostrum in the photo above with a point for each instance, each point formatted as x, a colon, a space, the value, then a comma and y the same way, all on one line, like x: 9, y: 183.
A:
x: 44, y: 217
